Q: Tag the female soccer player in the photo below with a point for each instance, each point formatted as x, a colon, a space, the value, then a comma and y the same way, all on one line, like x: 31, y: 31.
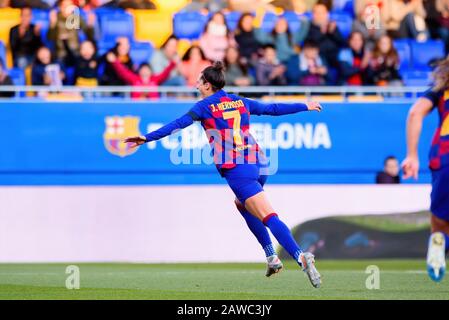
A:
x: 436, y: 97
x: 238, y: 158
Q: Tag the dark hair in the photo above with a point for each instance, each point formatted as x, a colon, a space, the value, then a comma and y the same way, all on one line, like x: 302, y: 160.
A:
x: 144, y: 64
x: 274, y: 34
x: 215, y: 75
x: 389, y: 158
x: 310, y: 44
x: 239, y: 28
x: 269, y: 46
x: 391, y: 54
x: 186, y: 55
x: 168, y: 40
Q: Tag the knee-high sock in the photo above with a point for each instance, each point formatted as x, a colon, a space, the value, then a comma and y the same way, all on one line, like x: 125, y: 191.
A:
x: 259, y: 230
x: 282, y: 233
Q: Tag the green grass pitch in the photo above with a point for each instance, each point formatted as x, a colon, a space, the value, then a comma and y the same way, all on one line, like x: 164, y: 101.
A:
x: 399, y: 279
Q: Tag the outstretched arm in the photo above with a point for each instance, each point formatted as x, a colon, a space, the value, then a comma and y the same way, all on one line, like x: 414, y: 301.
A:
x: 279, y: 109
x: 180, y: 123
x: 420, y: 109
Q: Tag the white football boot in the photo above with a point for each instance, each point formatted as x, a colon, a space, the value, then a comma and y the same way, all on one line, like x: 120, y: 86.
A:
x: 436, y: 257
x: 274, y: 265
x: 308, y: 266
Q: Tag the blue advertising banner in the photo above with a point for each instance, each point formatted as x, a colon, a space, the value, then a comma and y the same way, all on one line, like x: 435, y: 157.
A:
x: 79, y: 143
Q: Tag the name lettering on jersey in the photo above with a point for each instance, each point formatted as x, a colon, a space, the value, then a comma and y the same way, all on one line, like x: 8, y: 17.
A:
x: 226, y: 105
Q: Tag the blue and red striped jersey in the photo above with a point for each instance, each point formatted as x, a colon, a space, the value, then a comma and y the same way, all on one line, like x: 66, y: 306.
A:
x: 226, y: 120
x: 439, y: 151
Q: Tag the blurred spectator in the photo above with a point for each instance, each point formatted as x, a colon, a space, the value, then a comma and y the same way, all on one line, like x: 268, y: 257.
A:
x: 61, y: 28
x: 236, y: 72
x: 442, y: 7
x: 85, y: 63
x: 144, y: 76
x: 383, y: 67
x: 390, y: 174
x: 300, y: 6
x: 35, y: 4
x: 206, y: 6
x: 193, y: 63
x: 121, y: 50
x: 326, y: 33
x: 137, y: 4
x: 129, y: 4
x: 250, y: 5
x: 161, y: 59
x: 269, y: 71
x: 45, y: 71
x: 405, y: 19
x: 245, y: 36
x: 216, y: 37
x: 354, y: 60
x: 368, y: 21
x: 87, y: 5
x: 307, y: 68
x: 284, y: 40
x: 433, y: 18
x: 24, y: 40
x: 5, y: 80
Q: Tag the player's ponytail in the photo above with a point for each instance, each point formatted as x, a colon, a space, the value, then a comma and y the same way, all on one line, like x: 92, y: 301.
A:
x: 215, y: 75
x: 441, y: 75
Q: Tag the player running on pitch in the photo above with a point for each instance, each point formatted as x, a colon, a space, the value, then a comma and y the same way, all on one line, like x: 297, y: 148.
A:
x: 436, y: 97
x: 225, y: 118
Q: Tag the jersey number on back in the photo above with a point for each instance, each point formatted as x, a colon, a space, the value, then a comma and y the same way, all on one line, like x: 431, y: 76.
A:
x: 235, y: 115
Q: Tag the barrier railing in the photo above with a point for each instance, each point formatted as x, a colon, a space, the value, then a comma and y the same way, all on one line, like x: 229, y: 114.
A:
x: 188, y: 92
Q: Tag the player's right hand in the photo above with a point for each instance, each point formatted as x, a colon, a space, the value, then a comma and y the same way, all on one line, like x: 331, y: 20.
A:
x: 410, y: 168
x: 136, y: 141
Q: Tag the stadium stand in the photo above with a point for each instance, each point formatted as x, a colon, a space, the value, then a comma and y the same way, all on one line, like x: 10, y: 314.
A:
x: 141, y: 52
x: 424, y: 53
x: 152, y: 25
x: 189, y: 25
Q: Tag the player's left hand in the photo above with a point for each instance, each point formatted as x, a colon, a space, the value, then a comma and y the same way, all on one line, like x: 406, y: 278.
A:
x: 136, y: 141
x: 410, y: 168
x: 314, y: 106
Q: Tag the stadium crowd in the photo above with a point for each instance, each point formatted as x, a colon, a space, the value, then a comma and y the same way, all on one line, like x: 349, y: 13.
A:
x: 316, y: 52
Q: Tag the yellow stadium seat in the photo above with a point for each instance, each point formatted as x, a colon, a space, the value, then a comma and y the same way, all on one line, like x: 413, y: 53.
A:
x: 152, y: 25
x: 9, y: 18
x: 170, y: 5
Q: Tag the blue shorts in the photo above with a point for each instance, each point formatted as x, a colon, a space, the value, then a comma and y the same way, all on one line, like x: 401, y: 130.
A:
x: 245, y: 180
x: 440, y: 193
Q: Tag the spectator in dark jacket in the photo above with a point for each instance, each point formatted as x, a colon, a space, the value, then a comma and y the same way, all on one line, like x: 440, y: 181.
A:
x: 383, y: 67
x: 390, y: 174
x: 85, y: 63
x: 326, y: 33
x: 5, y: 80
x: 354, y: 60
x: 24, y: 40
x: 121, y: 50
x: 269, y: 71
x: 245, y: 36
x: 307, y: 68
x: 45, y: 71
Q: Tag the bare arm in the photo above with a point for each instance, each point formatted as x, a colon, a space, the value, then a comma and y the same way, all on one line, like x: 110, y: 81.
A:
x: 416, y: 115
